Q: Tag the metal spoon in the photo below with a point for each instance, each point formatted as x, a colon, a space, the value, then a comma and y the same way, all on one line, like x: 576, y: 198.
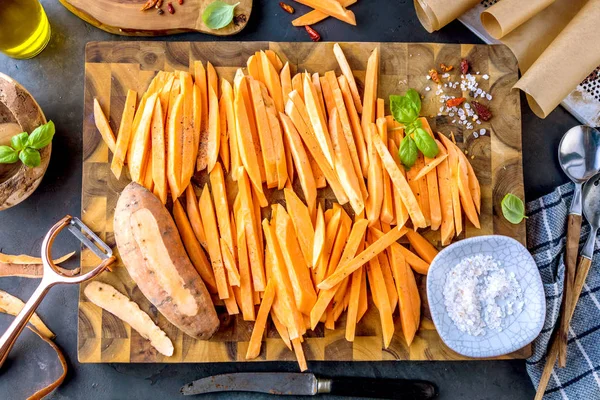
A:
x: 579, y: 157
x: 591, y: 209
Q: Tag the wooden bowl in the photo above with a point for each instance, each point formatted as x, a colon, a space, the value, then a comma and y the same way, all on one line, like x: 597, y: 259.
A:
x: 19, y: 112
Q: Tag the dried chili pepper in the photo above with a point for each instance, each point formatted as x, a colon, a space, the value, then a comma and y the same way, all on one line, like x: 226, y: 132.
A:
x: 180, y: 2
x: 314, y: 35
x: 482, y: 111
x: 170, y: 8
x: 286, y: 7
x: 464, y: 66
x: 446, y: 68
x: 455, y: 102
x: 148, y: 5
x: 433, y: 74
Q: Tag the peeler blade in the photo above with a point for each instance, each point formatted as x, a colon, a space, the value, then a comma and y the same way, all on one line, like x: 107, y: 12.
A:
x: 83, y: 233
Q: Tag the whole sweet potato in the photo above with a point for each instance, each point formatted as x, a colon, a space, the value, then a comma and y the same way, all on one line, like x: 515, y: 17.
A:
x: 151, y: 249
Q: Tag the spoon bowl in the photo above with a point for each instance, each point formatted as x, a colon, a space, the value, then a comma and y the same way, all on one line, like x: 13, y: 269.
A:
x: 579, y: 153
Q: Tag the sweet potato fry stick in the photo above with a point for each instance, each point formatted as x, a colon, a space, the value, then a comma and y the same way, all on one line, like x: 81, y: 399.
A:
x: 272, y: 81
x: 165, y: 93
x: 381, y: 300
x: 274, y: 59
x: 224, y: 135
x: 331, y: 8
x: 375, y: 178
x: 192, y: 247
x: 209, y: 220
x: 371, y: 86
x: 212, y: 79
x: 282, y: 330
x: 400, y: 182
x: 408, y: 293
x: 389, y: 280
x: 422, y: 246
x: 246, y: 292
x: 319, y: 241
x: 353, y: 303
x: 276, y: 139
x: 261, y: 322
x: 104, y: 126
x: 297, y: 85
x: 465, y: 194
x: 315, y: 16
x: 444, y: 185
x: 219, y: 192
x: 347, y: 71
x: 201, y: 82
x: 399, y: 206
x: 139, y: 153
x: 317, y: 119
x: 214, y: 135
x: 174, y: 136
x: 297, y: 343
x: 336, y: 240
x: 387, y: 205
x: 301, y: 218
x: 159, y: 163
x: 454, y: 182
x: 188, y: 151
x: 320, y: 180
x: 355, y: 122
x: 344, y: 270
x: 255, y: 247
x: 286, y: 82
x: 193, y: 212
x: 317, y: 83
x: 124, y: 134
x: 344, y: 166
x: 327, y: 94
x: 430, y: 164
x: 253, y: 67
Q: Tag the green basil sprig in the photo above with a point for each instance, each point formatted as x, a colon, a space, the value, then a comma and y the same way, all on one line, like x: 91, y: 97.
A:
x: 218, y: 14
x: 405, y: 110
x: 513, y: 209
x: 25, y: 147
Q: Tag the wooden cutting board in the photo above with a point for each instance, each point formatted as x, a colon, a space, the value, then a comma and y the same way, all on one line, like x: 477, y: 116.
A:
x: 125, y: 18
x: 113, y: 67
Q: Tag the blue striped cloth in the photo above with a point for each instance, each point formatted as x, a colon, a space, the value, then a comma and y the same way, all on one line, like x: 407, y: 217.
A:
x: 546, y: 237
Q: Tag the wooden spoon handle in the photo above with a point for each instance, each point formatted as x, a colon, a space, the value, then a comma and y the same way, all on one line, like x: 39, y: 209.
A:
x: 573, y: 234
x: 582, y: 272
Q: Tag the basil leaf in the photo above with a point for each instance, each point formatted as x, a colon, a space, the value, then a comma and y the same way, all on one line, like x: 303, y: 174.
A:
x: 425, y: 143
x: 408, y: 152
x: 513, y: 208
x: 8, y: 155
x: 30, y: 157
x: 402, y: 109
x: 218, y: 14
x: 41, y: 136
x: 415, y: 98
x: 18, y: 142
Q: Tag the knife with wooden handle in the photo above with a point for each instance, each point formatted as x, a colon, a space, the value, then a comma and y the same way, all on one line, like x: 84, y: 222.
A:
x: 306, y: 384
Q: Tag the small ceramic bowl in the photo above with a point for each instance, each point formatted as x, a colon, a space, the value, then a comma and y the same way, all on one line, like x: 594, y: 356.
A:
x: 518, y: 330
x: 19, y: 112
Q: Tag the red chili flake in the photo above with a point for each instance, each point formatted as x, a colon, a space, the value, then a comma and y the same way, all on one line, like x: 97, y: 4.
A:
x: 455, y: 102
x: 180, y: 2
x: 170, y: 8
x: 314, y: 35
x: 286, y: 7
x: 433, y: 74
x: 482, y: 111
x: 464, y: 66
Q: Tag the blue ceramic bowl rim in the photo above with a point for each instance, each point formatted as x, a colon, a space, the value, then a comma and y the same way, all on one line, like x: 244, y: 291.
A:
x: 443, y: 330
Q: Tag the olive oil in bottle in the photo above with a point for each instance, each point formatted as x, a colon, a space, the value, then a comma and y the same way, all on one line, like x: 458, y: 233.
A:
x: 24, y: 28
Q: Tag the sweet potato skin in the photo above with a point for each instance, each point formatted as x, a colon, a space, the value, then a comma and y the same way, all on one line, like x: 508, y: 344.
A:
x: 134, y: 198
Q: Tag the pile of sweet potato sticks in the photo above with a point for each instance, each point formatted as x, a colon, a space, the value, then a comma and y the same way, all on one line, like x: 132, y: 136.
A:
x: 304, y: 264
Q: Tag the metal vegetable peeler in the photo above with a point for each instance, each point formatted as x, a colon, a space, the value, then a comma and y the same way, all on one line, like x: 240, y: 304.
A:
x: 52, y: 276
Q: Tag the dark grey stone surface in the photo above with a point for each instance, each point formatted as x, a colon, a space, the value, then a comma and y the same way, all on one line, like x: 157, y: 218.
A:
x: 55, y: 78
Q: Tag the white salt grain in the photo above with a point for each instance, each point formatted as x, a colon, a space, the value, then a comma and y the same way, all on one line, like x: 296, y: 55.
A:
x: 478, y: 294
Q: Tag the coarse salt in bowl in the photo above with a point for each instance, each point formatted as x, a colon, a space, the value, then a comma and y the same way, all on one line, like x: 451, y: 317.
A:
x: 518, y: 329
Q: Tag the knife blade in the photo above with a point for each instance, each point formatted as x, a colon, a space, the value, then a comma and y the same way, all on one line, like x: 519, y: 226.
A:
x: 307, y: 384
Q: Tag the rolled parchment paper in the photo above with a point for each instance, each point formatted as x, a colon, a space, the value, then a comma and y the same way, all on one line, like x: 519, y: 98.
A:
x: 507, y: 15
x: 435, y: 14
x: 566, y: 61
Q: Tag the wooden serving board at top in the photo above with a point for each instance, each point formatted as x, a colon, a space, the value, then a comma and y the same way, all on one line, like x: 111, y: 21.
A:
x: 123, y: 17
x: 113, y: 67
